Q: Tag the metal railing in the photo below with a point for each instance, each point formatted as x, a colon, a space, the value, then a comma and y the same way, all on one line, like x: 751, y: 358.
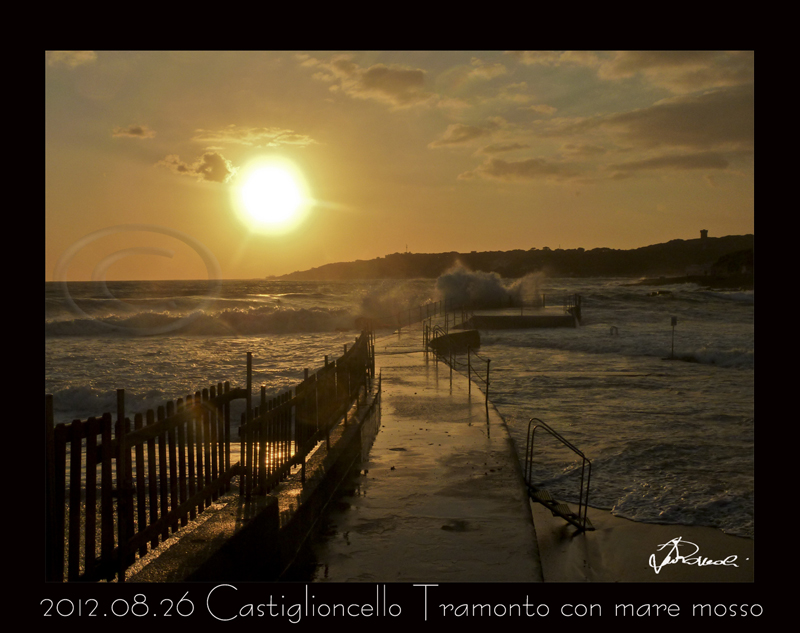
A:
x: 586, y: 465
x: 572, y: 305
x: 452, y: 355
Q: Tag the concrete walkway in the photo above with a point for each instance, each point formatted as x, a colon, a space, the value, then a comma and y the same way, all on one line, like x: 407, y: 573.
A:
x: 441, y: 497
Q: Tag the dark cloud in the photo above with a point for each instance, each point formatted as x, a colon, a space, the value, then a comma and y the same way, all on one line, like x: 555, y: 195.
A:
x: 395, y: 85
x: 717, y: 119
x: 212, y: 166
x: 713, y: 119
x: 530, y: 169
x: 133, y: 131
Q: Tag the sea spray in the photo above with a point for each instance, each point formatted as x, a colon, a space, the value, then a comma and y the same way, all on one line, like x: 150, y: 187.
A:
x: 462, y: 286
x: 392, y: 297
x: 527, y: 287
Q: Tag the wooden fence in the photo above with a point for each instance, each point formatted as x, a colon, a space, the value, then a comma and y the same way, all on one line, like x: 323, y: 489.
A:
x: 118, y: 488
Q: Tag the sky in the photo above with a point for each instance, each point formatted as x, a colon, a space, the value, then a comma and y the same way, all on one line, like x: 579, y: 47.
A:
x: 356, y: 155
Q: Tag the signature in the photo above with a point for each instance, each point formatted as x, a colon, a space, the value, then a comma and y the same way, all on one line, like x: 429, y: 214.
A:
x: 689, y: 556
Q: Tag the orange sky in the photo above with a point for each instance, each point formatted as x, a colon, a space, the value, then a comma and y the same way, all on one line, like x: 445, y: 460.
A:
x: 146, y: 152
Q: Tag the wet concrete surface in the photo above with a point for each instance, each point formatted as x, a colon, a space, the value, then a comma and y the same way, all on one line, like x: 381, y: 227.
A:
x: 440, y: 497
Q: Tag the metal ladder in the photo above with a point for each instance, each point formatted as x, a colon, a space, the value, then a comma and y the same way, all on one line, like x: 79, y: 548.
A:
x: 579, y: 519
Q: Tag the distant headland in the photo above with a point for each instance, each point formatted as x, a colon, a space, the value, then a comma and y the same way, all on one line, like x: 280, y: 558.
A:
x: 714, y: 261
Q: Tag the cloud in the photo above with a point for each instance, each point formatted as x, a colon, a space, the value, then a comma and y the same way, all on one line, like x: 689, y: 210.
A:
x: 70, y: 59
x: 255, y: 136
x: 702, y: 160
x: 679, y: 71
x: 395, y: 85
x: 722, y: 118
x: 497, y: 148
x: 584, y: 149
x: 514, y: 94
x: 212, y: 166
x: 555, y: 58
x: 133, y: 131
x: 484, y: 70
x: 523, y: 170
x: 542, y: 109
x: 719, y: 119
x: 459, y: 134
x: 682, y: 71
x: 454, y: 104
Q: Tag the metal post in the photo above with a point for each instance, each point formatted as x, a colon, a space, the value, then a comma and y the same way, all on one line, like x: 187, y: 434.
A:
x: 54, y: 562
x: 488, y: 360
x: 469, y: 372
x: 674, y: 323
x: 249, y: 386
x: 122, y: 488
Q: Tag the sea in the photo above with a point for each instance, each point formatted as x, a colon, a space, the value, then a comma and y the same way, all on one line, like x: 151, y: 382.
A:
x: 656, y: 386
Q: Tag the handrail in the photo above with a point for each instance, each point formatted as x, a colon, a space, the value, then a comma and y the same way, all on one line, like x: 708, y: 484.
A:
x: 582, y: 504
x: 451, y: 358
x: 572, y: 305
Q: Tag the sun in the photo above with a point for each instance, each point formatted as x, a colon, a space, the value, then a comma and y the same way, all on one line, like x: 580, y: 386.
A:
x: 272, y: 197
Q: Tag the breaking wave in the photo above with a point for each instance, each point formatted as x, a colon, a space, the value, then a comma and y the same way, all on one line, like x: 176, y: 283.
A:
x: 232, y: 321
x: 461, y: 286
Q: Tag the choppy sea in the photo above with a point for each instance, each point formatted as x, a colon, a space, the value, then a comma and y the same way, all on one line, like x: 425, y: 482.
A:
x: 666, y: 414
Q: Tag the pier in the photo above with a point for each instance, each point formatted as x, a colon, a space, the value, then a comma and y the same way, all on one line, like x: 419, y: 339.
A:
x: 440, y: 497
x: 434, y: 462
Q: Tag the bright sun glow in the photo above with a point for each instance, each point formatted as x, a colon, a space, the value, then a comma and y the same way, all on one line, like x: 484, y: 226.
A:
x: 272, y: 197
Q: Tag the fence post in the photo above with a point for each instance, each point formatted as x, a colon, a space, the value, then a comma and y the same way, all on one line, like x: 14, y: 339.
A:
x: 201, y: 400
x: 488, y: 360
x: 55, y: 571
x: 469, y: 371
x: 450, y: 361
x: 141, y: 498
x: 172, y: 456
x: 304, y: 422
x: 249, y: 385
x: 122, y: 489
x: 263, y: 445
x: 248, y: 436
